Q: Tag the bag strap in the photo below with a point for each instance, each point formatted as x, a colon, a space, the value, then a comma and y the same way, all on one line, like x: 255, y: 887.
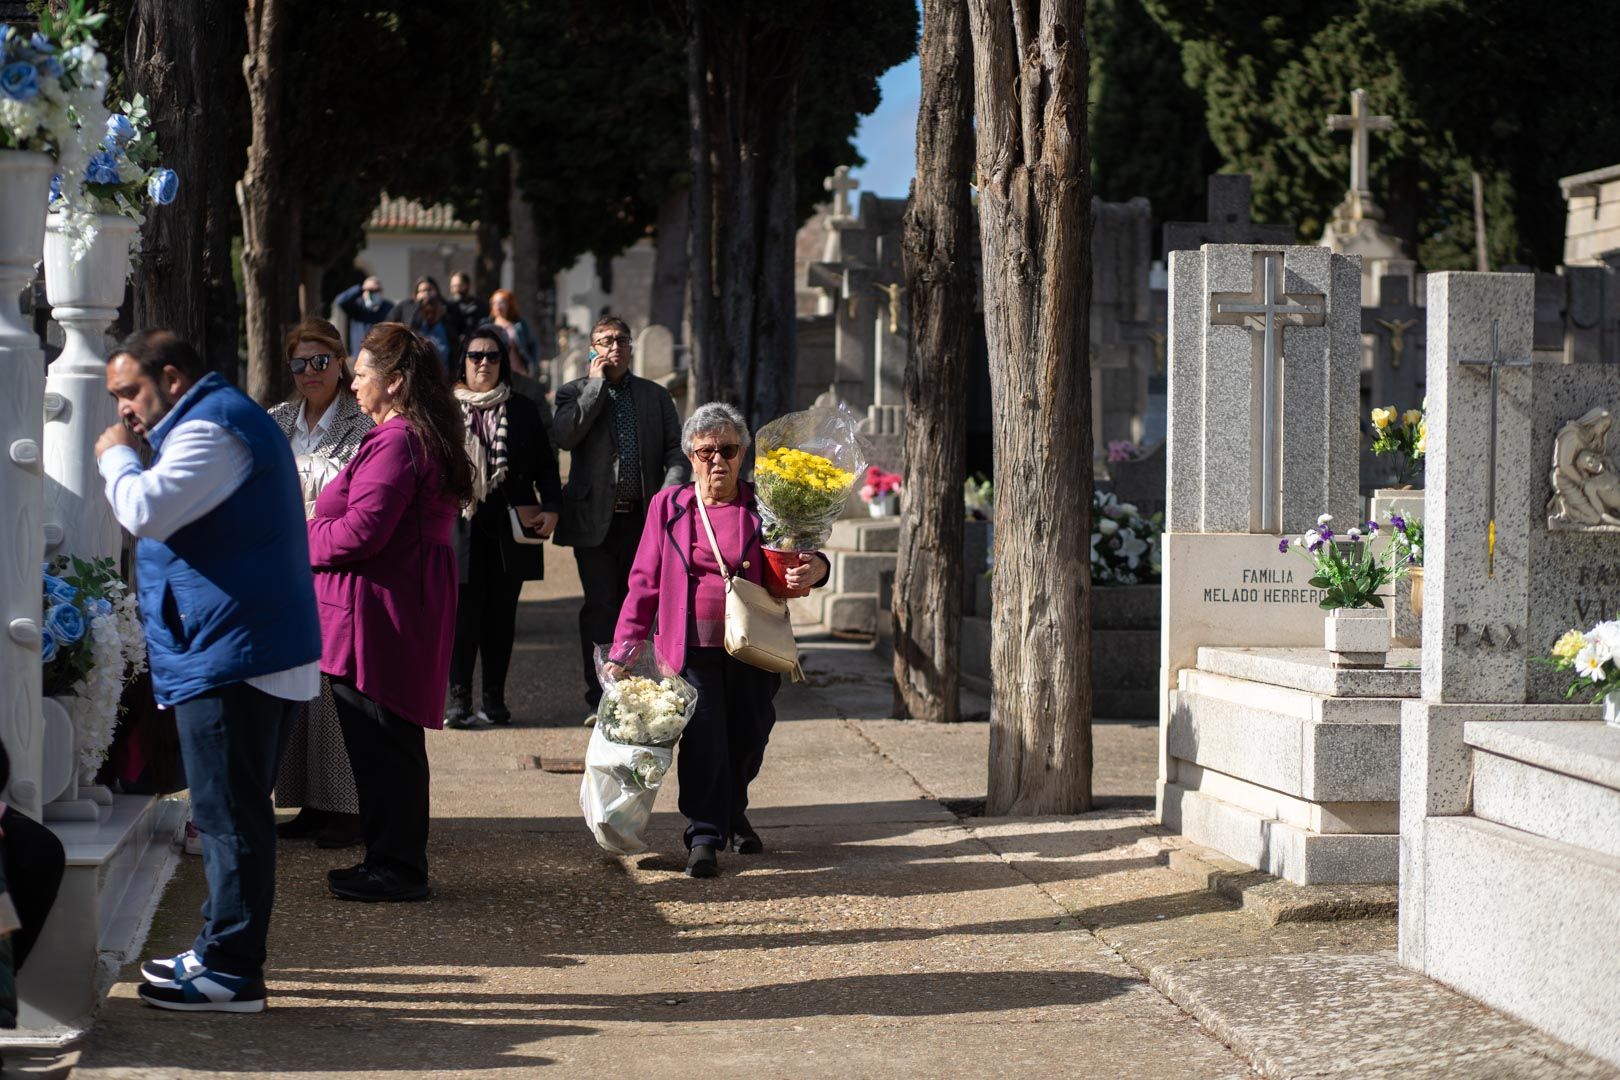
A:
x: 725, y: 572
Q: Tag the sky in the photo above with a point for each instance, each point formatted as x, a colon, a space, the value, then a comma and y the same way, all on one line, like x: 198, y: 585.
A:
x: 888, y: 138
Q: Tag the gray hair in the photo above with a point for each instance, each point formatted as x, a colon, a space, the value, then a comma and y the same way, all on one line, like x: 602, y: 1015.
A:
x: 715, y: 416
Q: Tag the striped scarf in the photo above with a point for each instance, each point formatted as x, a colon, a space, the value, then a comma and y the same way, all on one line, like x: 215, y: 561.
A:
x: 485, y: 414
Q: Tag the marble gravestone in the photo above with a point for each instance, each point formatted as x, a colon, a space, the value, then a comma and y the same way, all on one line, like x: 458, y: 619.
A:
x: 1510, y: 798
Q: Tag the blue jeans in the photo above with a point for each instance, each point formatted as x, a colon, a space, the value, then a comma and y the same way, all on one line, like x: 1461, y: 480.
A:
x: 231, y: 739
x: 724, y: 745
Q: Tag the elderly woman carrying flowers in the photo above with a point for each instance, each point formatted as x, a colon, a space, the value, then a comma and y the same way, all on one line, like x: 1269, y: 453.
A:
x: 676, y: 584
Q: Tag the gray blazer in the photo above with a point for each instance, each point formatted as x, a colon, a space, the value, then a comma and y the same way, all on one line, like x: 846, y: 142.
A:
x: 584, y: 428
x: 342, y: 439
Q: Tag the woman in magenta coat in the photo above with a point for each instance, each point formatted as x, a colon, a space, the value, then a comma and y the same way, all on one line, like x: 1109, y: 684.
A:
x: 676, y: 585
x: 385, y: 577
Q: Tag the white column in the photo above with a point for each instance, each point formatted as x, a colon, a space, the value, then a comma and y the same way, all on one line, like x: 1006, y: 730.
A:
x: 26, y: 179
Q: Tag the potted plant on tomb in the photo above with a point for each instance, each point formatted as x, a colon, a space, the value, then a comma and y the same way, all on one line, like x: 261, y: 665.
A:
x: 1403, y: 437
x: 881, y: 492
x: 1407, y: 544
x: 91, y: 646
x: 1357, y: 632
x: 1594, y: 658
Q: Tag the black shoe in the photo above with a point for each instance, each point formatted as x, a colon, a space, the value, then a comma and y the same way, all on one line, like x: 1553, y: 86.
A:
x: 347, y: 873
x: 498, y: 714
x: 307, y: 823
x: 458, y: 712
x: 378, y: 885
x: 702, y: 863
x: 341, y: 831
x: 746, y: 841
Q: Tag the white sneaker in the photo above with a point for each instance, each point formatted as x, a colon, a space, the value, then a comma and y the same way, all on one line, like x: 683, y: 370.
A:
x: 193, y: 841
x: 174, y: 970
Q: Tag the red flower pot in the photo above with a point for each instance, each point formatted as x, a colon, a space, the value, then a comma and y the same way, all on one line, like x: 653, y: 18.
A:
x: 775, y: 573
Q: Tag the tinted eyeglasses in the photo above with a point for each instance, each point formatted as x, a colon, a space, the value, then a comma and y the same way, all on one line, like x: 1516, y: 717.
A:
x: 476, y: 356
x: 605, y: 343
x: 319, y: 362
x: 706, y: 453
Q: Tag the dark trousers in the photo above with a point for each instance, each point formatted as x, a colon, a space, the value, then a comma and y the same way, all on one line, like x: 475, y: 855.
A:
x: 389, y: 758
x: 231, y: 739
x: 724, y: 745
x: 604, y: 575
x: 486, y: 622
x: 34, y: 862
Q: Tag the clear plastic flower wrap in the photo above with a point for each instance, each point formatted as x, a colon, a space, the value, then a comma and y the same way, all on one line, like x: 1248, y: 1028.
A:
x: 645, y: 707
x: 804, y: 469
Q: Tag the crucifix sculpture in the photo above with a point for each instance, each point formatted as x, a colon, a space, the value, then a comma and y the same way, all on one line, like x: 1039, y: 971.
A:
x: 1266, y: 310
x: 1495, y: 364
x: 1361, y: 123
x: 841, y: 184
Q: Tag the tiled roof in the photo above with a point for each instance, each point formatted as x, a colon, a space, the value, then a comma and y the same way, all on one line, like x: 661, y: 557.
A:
x: 408, y: 214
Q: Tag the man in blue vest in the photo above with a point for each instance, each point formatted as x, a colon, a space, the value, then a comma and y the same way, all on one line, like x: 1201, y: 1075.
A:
x: 232, y: 635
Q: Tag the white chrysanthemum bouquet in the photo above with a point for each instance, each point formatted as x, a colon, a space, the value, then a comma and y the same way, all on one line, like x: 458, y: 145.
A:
x: 1594, y: 657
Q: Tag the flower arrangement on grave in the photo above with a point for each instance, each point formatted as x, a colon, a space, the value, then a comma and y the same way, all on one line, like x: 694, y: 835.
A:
x: 1124, y: 542
x: 1404, y: 435
x: 1345, y: 570
x: 1122, y: 450
x: 880, y: 484
x: 979, y: 498
x: 805, y: 470
x: 91, y: 646
x: 123, y: 175
x: 51, y: 84
x: 1406, y: 540
x: 1594, y: 656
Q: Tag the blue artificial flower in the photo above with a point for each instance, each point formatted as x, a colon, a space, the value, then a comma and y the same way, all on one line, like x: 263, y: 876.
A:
x: 56, y: 188
x: 59, y: 591
x: 66, y: 622
x: 163, y: 186
x: 41, y: 43
x: 103, y: 168
x: 1327, y: 532
x: 52, y: 66
x: 101, y: 605
x: 47, y: 646
x: 120, y: 131
x: 1282, y: 546
x: 1397, y: 522
x: 1372, y: 528
x: 19, y: 80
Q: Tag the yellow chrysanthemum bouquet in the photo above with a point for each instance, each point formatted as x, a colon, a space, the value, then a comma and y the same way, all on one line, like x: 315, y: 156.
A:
x: 804, y: 470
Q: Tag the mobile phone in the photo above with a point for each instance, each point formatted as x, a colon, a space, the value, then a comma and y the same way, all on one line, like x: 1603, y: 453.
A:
x: 594, y: 354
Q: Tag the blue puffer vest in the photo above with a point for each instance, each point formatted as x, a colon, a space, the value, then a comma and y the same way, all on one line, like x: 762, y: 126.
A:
x: 230, y: 596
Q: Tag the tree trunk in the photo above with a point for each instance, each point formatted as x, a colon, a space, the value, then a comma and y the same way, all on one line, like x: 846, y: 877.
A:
x: 670, y: 270
x: 269, y: 222
x: 708, y: 373
x: 939, y: 286
x: 526, y: 263
x: 491, y: 228
x: 1030, y: 67
x: 178, y: 55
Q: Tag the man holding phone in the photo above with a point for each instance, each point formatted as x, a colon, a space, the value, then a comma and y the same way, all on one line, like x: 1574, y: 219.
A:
x: 365, y: 305
x: 624, y: 438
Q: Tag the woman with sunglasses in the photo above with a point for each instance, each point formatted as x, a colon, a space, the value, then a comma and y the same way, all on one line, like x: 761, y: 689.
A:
x: 512, y: 456
x: 324, y: 425
x: 676, y: 583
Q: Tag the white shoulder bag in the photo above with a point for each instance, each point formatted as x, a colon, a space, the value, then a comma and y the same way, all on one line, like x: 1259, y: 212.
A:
x: 759, y: 630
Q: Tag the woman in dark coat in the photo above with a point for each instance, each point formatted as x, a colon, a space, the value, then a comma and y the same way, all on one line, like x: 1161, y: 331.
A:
x: 512, y: 456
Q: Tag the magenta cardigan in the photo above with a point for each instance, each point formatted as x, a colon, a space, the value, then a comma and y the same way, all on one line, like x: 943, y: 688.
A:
x: 385, y: 574
x: 662, y: 578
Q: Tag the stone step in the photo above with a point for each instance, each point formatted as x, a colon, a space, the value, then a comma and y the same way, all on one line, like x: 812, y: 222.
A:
x: 1310, y: 706
x: 850, y: 613
x: 1557, y: 780
x: 865, y: 534
x: 116, y: 871
x: 1311, y: 671
x: 859, y: 571
x: 1524, y: 924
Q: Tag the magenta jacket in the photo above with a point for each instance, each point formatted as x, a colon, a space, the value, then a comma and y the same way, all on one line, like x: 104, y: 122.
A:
x: 662, y: 579
x: 385, y: 574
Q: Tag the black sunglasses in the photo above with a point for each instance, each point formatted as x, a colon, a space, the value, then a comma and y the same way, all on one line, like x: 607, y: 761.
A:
x: 706, y: 453
x: 478, y: 357
x: 319, y: 362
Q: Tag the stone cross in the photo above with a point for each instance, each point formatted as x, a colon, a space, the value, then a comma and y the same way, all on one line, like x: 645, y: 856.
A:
x: 1230, y: 221
x: 841, y: 184
x: 1395, y: 328
x: 1266, y: 310
x: 1362, y: 124
x: 1479, y: 456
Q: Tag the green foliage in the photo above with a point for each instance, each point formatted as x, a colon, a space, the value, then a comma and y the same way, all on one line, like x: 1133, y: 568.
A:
x: 1520, y: 92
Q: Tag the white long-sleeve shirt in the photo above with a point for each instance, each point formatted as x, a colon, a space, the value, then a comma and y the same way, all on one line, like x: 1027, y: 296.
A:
x: 201, y: 466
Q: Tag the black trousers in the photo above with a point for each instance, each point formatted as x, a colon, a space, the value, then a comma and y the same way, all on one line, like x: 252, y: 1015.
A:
x: 604, y: 575
x: 34, y: 863
x: 389, y: 758
x: 232, y: 738
x: 724, y: 745
x: 486, y: 622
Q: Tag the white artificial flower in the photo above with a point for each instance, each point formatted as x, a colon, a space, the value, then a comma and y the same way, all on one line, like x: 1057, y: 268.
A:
x: 1588, y: 665
x: 1324, y: 519
x: 1310, y: 539
x: 1108, y: 526
x: 1353, y: 535
x: 1133, y: 549
x: 1129, y: 509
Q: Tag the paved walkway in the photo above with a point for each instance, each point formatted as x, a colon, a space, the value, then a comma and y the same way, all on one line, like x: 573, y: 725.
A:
x: 881, y: 935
